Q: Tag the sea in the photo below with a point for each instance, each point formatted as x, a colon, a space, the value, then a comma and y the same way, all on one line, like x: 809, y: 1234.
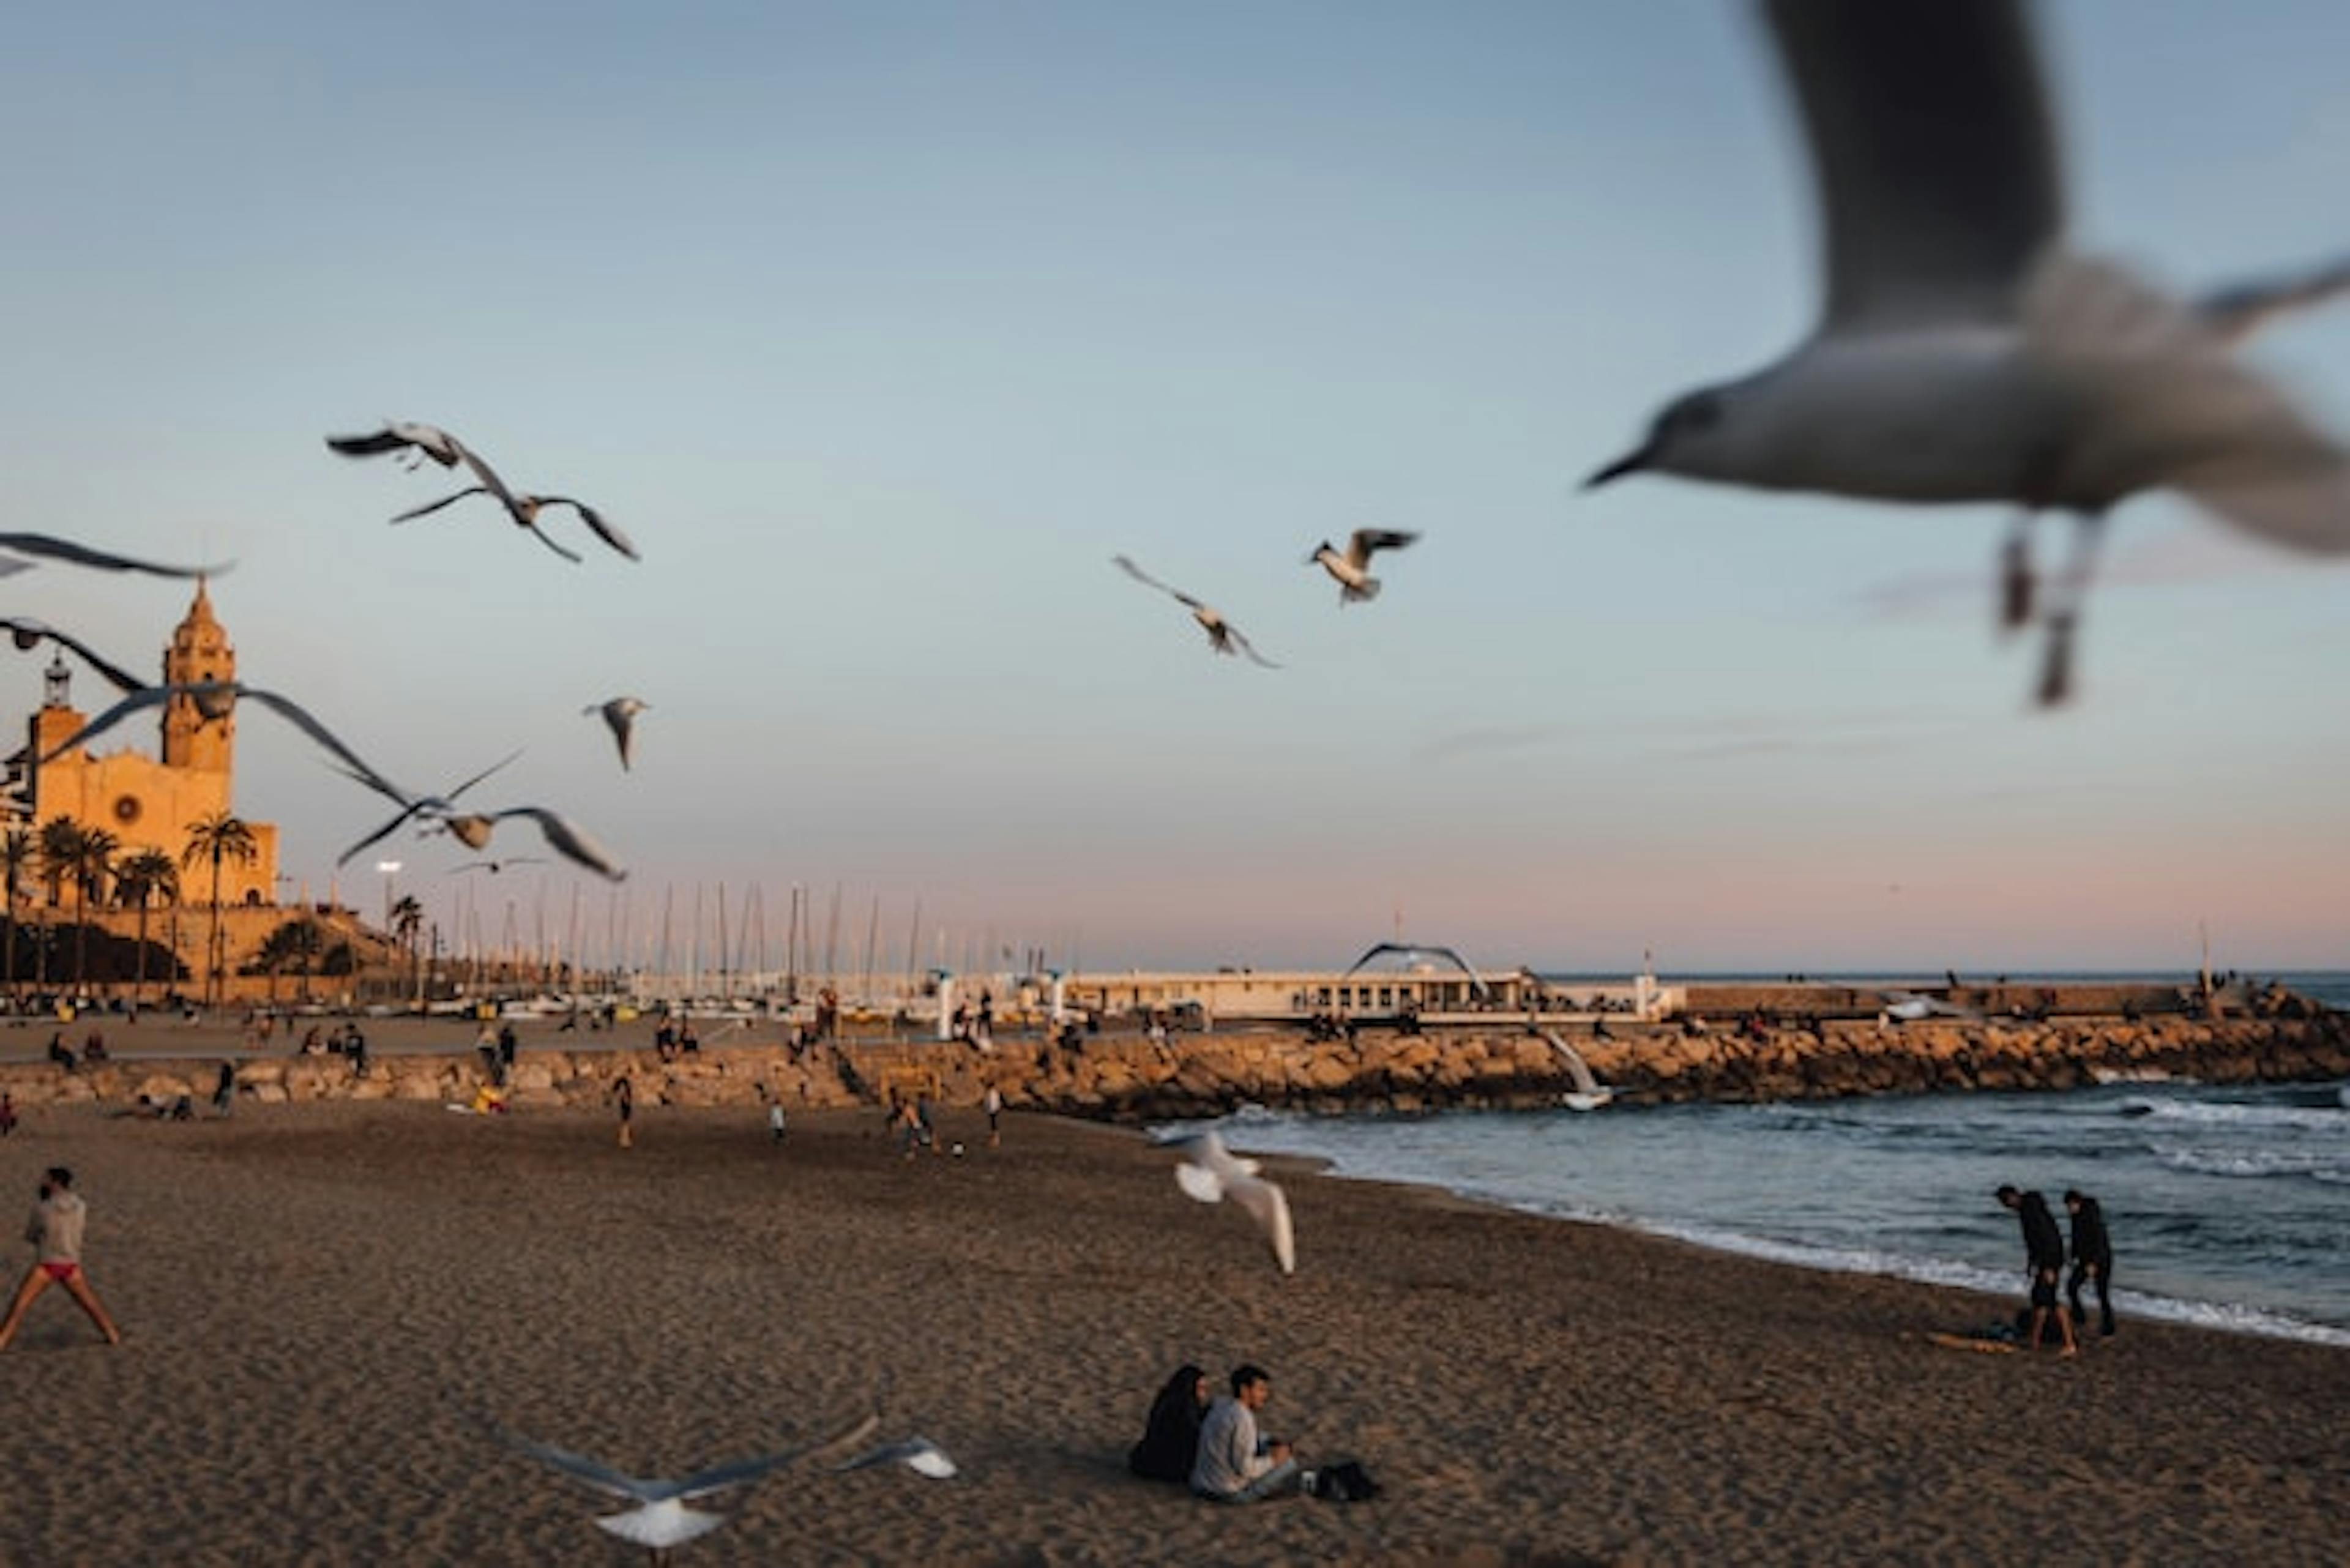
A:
x: 2228, y: 1206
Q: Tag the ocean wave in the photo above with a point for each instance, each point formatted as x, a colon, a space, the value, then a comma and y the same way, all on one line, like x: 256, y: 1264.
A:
x: 2325, y: 1164
x: 2237, y: 1113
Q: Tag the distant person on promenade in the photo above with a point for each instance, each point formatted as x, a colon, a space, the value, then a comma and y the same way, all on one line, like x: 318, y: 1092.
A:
x: 56, y: 1230
x: 60, y: 1053
x: 2043, y: 1250
x: 624, y: 1099
x: 224, y: 1088
x: 1234, y: 1463
x: 2093, y: 1259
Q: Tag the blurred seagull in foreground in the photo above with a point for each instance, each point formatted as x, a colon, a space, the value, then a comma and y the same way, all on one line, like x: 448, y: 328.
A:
x: 1223, y: 635
x: 620, y: 713
x: 919, y: 1455
x: 214, y: 701
x: 1352, y: 570
x: 48, y: 547
x: 432, y: 442
x: 567, y: 838
x: 412, y: 806
x: 1964, y: 353
x: 1210, y: 1173
x: 28, y: 634
x: 662, y: 1519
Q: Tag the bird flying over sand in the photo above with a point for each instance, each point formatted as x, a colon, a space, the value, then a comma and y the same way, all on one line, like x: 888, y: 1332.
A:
x: 620, y: 714
x: 50, y: 547
x: 1222, y: 635
x: 921, y: 1454
x: 661, y: 1518
x: 1965, y: 352
x: 1351, y: 570
x: 214, y: 700
x: 439, y: 446
x: 1210, y: 1173
x: 28, y: 633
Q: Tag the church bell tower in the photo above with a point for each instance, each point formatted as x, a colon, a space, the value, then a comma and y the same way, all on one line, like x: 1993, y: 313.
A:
x: 199, y: 652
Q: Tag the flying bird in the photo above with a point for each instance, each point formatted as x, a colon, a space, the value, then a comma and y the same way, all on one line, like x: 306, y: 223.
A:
x: 921, y: 1454
x: 567, y: 838
x: 494, y: 866
x: 48, y: 547
x: 1964, y: 352
x: 1588, y: 1093
x: 1909, y: 1007
x: 1352, y: 570
x: 1210, y: 1173
x: 422, y: 441
x: 414, y: 442
x: 1223, y: 635
x: 214, y: 700
x: 661, y: 1518
x: 28, y: 633
x: 620, y: 713
x: 412, y: 806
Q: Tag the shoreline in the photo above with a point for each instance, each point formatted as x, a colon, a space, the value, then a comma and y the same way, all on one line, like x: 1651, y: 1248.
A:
x: 328, y: 1305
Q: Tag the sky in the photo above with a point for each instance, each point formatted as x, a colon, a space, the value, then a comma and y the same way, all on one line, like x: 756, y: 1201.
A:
x: 882, y: 326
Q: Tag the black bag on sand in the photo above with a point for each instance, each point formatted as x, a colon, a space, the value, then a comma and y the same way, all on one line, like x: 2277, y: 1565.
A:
x: 1346, y: 1481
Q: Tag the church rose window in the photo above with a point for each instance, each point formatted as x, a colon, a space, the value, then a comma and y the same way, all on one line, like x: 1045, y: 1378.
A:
x: 126, y: 808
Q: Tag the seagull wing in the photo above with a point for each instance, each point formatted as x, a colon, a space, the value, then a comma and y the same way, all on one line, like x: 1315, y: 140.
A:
x: 601, y: 1476
x: 398, y: 435
x: 919, y: 1455
x: 1126, y: 565
x: 111, y: 673
x: 718, y: 1477
x: 1578, y: 1071
x: 429, y: 507
x: 2244, y: 310
x: 47, y: 547
x: 1245, y: 645
x: 478, y: 777
x: 295, y: 714
x: 1934, y: 150
x: 1365, y: 543
x: 144, y: 697
x: 386, y: 831
x: 604, y: 528
x: 1269, y: 1207
x: 565, y: 840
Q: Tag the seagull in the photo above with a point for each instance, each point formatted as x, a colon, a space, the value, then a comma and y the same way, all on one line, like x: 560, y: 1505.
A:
x: 410, y: 805
x: 472, y: 830
x: 48, y: 547
x: 921, y: 1454
x: 1210, y: 1173
x: 494, y: 866
x: 662, y: 1519
x: 1223, y: 635
x: 214, y: 700
x: 1964, y: 353
x: 1909, y: 1007
x: 1589, y: 1094
x: 620, y: 713
x: 1352, y: 570
x: 432, y: 442
x: 28, y: 633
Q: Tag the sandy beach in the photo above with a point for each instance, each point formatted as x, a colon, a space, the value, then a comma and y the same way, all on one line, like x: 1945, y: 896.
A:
x: 329, y: 1307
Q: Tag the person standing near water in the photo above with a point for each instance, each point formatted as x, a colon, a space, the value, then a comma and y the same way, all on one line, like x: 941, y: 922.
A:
x: 2093, y: 1259
x: 2044, y: 1250
x: 56, y: 1229
x: 624, y: 1097
x: 992, y: 1104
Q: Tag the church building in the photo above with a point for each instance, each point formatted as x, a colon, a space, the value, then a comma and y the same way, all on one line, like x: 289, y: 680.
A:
x: 149, y: 803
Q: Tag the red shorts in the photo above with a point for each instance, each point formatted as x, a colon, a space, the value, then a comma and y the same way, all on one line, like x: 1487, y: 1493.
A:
x: 61, y: 1272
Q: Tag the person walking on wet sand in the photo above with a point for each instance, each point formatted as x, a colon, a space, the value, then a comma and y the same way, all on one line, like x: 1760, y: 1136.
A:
x: 56, y: 1231
x: 2043, y: 1250
x: 992, y: 1104
x: 2093, y: 1259
x: 624, y: 1097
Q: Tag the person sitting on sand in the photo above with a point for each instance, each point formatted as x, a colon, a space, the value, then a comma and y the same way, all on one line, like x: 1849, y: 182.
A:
x: 2043, y: 1250
x: 56, y: 1229
x: 60, y: 1053
x: 1171, y: 1437
x: 7, y: 1114
x: 1234, y: 1463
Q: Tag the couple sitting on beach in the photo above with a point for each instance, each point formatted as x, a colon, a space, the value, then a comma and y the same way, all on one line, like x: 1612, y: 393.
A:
x: 1213, y: 1447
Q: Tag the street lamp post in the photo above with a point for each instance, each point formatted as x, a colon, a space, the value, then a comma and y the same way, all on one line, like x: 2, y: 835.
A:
x: 391, y: 868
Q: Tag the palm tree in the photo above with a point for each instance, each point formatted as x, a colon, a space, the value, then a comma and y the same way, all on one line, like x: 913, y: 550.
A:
x: 91, y: 869
x: 20, y: 854
x: 217, y: 837
x: 407, y: 919
x: 60, y: 842
x: 145, y: 876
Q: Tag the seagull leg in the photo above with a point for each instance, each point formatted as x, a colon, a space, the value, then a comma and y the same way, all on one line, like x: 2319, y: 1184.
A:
x: 2057, y: 672
x: 2016, y: 579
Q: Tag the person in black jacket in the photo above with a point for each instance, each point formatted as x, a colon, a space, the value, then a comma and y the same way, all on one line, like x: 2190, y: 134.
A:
x: 2093, y: 1259
x: 1171, y: 1439
x: 2043, y: 1250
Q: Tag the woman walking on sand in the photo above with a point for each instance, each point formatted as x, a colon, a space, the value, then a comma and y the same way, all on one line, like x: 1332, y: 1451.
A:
x: 56, y: 1230
x: 624, y: 1093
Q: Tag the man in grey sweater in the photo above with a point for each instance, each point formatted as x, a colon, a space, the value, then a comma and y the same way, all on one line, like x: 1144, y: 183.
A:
x: 1233, y: 1464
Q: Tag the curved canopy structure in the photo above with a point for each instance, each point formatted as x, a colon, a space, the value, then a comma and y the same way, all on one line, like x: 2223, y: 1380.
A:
x: 1419, y: 951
